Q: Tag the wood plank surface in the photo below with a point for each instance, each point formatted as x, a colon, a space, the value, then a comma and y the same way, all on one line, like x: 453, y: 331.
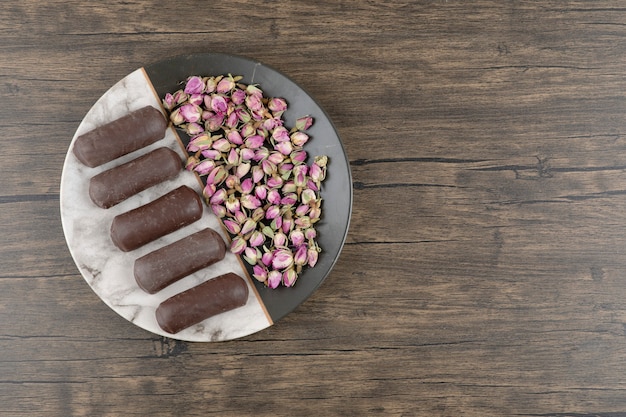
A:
x: 484, y: 273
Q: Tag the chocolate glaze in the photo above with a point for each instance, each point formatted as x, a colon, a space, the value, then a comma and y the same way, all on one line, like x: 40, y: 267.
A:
x: 166, y: 214
x: 217, y: 295
x: 117, y: 184
x: 122, y: 136
x: 166, y: 265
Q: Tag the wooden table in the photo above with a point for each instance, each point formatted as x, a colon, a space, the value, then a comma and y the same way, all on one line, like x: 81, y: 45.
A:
x: 484, y: 273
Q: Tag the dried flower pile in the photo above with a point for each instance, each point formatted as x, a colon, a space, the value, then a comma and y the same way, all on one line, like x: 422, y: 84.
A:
x: 257, y: 177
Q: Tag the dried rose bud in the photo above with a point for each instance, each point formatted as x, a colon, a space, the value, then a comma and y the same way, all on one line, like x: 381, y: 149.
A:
x: 289, y: 187
x: 277, y: 104
x: 274, y: 181
x: 303, y: 123
x: 284, y: 147
x: 248, y: 226
x: 190, y: 112
x: 299, y: 138
x: 280, y: 240
x: 258, y: 214
x: 218, y: 210
x: 240, y: 216
x: 209, y: 190
x: 168, y: 101
x: 225, y: 85
x: 300, y: 258
x: 268, y: 167
x: 243, y: 169
x: 315, y: 213
x: 232, y: 226
x: 317, y: 173
x: 296, y: 237
x: 233, y: 157
x: 232, y: 204
x: 192, y: 163
x: 234, y: 137
x: 321, y: 160
x: 194, y: 129
x: 272, y: 212
x: 280, y: 134
x: 273, y: 197
x: 271, y: 123
x: 287, y: 225
x: 276, y: 158
x: 302, y: 209
x: 259, y: 273
x: 299, y: 175
x: 289, y: 277
x: 277, y: 223
x: 194, y: 85
x: 285, y: 169
x: 200, y: 142
x: 254, y: 141
x: 176, y: 117
x: 214, y: 122
x: 204, y: 167
x: 217, y: 176
x: 260, y: 191
x: 312, y: 256
x: 238, y: 245
x: 210, y: 83
x: 266, y: 258
x: 247, y: 186
x: 256, y: 239
x: 231, y: 120
x: 307, y: 196
x: 289, y: 199
x: 246, y: 154
x: 196, y: 99
x: 219, y: 103
x: 253, y: 102
x: 303, y: 222
x: 250, y: 202
x: 268, y: 231
x: 257, y: 174
x: 298, y: 156
x: 211, y: 154
x: 231, y: 182
x: 222, y: 145
x: 243, y: 115
x: 273, y: 279
x: 282, y: 259
x: 310, y: 233
x: 247, y: 130
x: 251, y: 255
x: 219, y: 197
x: 238, y: 96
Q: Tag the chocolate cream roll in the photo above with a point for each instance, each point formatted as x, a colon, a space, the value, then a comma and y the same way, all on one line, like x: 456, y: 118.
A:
x: 134, y: 131
x: 217, y: 295
x: 117, y: 184
x: 166, y: 265
x: 166, y: 214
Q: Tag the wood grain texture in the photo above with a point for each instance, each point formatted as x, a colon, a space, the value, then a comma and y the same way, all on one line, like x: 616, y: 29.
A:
x: 485, y: 269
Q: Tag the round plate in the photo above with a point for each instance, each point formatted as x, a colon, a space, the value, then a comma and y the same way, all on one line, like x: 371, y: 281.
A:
x: 109, y: 271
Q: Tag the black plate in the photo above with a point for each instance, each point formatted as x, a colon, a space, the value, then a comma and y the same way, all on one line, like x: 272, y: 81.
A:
x: 167, y: 76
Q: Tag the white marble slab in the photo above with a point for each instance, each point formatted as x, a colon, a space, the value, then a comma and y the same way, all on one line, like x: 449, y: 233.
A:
x: 108, y: 270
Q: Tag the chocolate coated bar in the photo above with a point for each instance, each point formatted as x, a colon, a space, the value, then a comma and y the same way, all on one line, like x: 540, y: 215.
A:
x: 166, y: 265
x: 117, y: 184
x: 122, y: 136
x: 166, y: 214
x: 212, y: 297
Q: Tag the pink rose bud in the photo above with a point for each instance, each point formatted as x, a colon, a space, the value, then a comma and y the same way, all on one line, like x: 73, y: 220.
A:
x: 180, y: 97
x: 194, y: 85
x: 296, y: 237
x: 243, y: 169
x: 254, y: 102
x: 299, y: 138
x: 218, y: 104
x: 315, y: 213
x: 217, y: 176
x: 317, y: 173
x: 254, y: 141
x: 299, y: 175
x: 285, y: 168
x: 268, y: 167
x: 280, y: 134
x: 289, y: 277
x: 251, y: 255
x: 234, y: 137
x: 233, y: 157
x: 259, y: 273
x: 300, y: 258
x: 302, y: 210
x: 256, y: 239
x: 284, y: 147
x: 204, y: 167
x: 232, y: 120
x: 208, y: 190
x: 276, y: 158
x: 280, y: 240
x: 303, y: 123
x: 232, y: 226
x: 194, y: 129
x: 219, y: 197
x: 238, y: 96
x: 232, y: 204
x: 250, y: 202
x: 277, y: 105
x: 247, y: 186
x: 258, y: 214
x: 274, y: 181
x: 289, y: 200
x: 231, y: 182
x: 310, y: 233
x: 222, y: 145
x: 238, y: 245
x: 307, y: 196
x: 199, y: 142
x: 247, y: 130
x: 240, y: 216
x: 196, y: 99
x: 274, y: 278
x: 312, y: 255
x: 273, y: 197
x: 219, y: 210
x: 272, y: 212
x: 176, y: 117
x: 303, y: 222
x: 246, y: 154
x: 225, y: 85
x: 298, y: 156
x: 214, y: 122
x: 289, y: 187
x: 277, y: 223
x: 287, y: 225
x: 169, y: 101
x: 248, y: 226
x: 192, y: 163
x: 261, y: 154
x: 272, y: 123
x: 211, y: 154
x: 257, y: 174
x: 283, y: 259
x: 190, y: 112
x: 260, y: 191
x: 267, y: 257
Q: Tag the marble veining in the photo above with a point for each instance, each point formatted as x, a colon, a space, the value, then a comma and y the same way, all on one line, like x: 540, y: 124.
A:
x: 108, y: 270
